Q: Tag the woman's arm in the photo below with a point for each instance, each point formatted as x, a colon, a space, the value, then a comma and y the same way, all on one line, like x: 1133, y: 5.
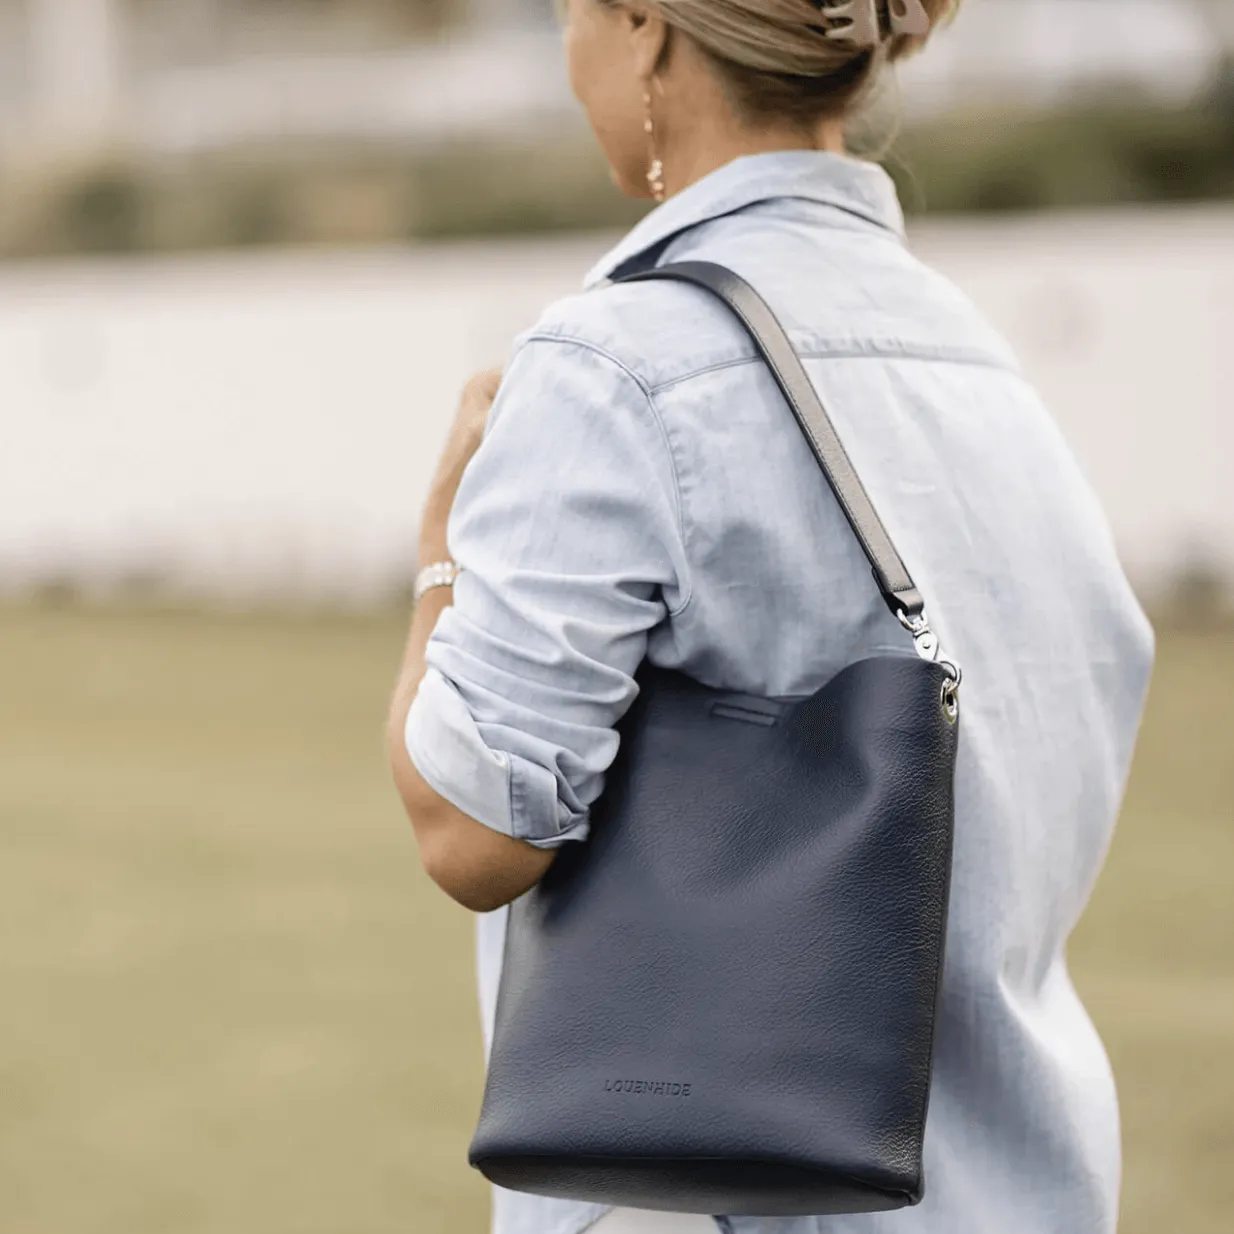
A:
x: 475, y: 865
x: 567, y: 526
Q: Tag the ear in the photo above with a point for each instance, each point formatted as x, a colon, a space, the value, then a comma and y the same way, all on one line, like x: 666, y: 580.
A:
x: 648, y: 34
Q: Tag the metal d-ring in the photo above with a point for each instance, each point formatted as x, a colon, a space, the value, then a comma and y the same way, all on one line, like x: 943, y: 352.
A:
x: 950, y: 699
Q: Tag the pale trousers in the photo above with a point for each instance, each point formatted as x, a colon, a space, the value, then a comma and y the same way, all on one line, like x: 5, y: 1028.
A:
x: 639, y: 1221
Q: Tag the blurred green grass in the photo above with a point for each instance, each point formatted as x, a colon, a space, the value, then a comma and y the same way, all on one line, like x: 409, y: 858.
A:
x: 231, y: 1002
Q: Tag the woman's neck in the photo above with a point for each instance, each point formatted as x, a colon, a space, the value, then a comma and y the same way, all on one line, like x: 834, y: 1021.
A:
x: 706, y: 148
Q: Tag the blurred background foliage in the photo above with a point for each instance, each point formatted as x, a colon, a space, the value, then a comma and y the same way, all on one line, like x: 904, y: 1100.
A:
x: 1113, y: 143
x: 979, y: 163
x: 1116, y: 146
x: 1130, y: 151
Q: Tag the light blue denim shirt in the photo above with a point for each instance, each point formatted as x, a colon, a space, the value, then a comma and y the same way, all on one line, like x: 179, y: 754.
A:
x: 642, y: 489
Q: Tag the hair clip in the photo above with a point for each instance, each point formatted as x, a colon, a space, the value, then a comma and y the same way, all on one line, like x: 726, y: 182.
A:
x: 860, y: 23
x: 909, y: 17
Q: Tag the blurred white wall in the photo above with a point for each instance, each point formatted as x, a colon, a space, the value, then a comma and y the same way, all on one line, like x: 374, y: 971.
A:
x: 74, y: 83
x: 243, y: 425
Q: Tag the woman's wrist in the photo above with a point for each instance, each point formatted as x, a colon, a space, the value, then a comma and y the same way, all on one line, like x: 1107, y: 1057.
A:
x: 433, y: 548
x: 434, y: 521
x: 465, y: 437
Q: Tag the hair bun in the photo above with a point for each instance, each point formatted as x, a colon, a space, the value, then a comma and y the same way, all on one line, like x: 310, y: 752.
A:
x: 803, y: 60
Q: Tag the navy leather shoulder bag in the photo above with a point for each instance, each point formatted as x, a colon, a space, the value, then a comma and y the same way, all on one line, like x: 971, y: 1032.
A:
x: 724, y: 1001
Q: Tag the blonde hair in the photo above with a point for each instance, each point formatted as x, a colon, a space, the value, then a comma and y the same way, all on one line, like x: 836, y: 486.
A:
x: 775, y: 58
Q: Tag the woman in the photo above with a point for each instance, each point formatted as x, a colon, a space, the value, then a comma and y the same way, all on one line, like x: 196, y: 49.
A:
x: 638, y: 488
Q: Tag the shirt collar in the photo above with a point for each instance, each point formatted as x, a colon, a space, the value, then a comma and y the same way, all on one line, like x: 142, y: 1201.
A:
x: 852, y: 185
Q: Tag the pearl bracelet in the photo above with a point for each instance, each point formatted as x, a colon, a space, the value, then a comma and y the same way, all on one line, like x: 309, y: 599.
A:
x: 439, y: 574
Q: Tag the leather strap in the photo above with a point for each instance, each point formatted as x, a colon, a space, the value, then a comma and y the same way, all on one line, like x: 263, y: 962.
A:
x: 773, y: 345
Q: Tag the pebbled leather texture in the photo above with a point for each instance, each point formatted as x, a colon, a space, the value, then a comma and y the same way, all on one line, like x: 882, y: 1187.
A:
x: 777, y: 351
x: 724, y: 1002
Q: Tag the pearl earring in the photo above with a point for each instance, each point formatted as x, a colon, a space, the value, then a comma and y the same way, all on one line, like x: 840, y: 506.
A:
x: 655, y: 173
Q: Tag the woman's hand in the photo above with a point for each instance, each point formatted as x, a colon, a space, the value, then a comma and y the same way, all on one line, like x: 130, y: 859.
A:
x: 464, y: 439
x: 468, y: 429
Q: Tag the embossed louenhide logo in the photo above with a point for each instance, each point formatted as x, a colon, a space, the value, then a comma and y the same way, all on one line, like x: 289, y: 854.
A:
x: 651, y: 1088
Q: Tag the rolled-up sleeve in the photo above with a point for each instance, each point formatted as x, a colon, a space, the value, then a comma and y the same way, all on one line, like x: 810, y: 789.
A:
x: 567, y: 524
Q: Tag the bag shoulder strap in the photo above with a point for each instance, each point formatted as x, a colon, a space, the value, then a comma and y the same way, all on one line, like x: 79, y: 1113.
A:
x: 773, y: 345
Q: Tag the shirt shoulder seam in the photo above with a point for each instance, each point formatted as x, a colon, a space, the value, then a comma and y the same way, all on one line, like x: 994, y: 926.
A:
x: 543, y: 336
x: 966, y: 359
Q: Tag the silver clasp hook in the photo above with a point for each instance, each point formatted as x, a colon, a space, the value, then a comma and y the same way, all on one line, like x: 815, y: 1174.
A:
x: 929, y: 648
